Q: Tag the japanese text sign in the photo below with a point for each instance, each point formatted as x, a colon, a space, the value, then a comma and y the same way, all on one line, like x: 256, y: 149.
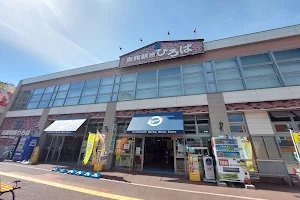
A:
x: 160, y: 51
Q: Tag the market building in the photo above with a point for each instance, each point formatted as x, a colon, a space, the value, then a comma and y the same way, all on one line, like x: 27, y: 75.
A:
x: 159, y: 103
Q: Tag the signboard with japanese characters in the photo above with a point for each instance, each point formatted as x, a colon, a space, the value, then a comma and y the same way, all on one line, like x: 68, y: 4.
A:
x: 160, y: 51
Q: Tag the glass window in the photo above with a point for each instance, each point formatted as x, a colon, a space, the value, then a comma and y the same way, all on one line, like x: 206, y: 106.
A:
x: 225, y: 64
x: 287, y: 148
x: 107, y: 81
x: 87, y: 100
x: 61, y: 95
x: 228, y: 74
x: 169, y: 72
x: 166, y: 92
x: 289, y: 67
x: 33, y: 105
x: 292, y: 79
x: 74, y: 93
x: 127, y: 86
x: 58, y: 102
x: 288, y: 54
x: 212, y: 87
x: 260, y: 58
x: 50, y: 89
x: 38, y: 91
x: 71, y: 101
x: 203, y: 129
x: 64, y: 87
x: 259, y: 70
x: 146, y: 94
x: 117, y: 79
x: 128, y: 77
x: 50, y: 104
x: 235, y: 118
x: 210, y: 77
x: 208, y: 66
x: 231, y: 86
x: 43, y: 104
x: 91, y: 83
x: 116, y: 88
x: 146, y: 84
x: 281, y: 128
x: 46, y: 97
x: 126, y: 96
x: 103, y: 98
x: 77, y: 85
x: 195, y: 68
x: 169, y: 82
x: 197, y: 78
x: 237, y: 128
x: 114, y: 97
x: 90, y: 91
x: 146, y: 75
x: 36, y: 98
x: 105, y: 89
x: 265, y: 82
x: 195, y: 89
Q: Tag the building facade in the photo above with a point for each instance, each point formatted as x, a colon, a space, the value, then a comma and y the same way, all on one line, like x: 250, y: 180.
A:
x: 247, y: 86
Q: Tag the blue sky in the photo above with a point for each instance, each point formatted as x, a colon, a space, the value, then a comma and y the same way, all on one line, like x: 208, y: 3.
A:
x: 38, y: 37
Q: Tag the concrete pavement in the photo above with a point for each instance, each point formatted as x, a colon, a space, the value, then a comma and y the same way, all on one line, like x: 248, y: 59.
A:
x: 39, y: 181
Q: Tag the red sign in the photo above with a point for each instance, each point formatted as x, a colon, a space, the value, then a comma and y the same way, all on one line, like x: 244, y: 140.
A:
x: 223, y: 162
x: 160, y: 51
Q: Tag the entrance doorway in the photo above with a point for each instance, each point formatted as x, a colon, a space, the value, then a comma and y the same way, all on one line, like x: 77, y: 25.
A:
x: 54, y: 149
x: 159, y: 154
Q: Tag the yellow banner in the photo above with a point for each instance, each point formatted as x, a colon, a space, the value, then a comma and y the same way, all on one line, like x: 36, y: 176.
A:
x: 296, y: 137
x: 102, y: 154
x: 89, y: 148
x: 35, y: 155
x: 97, y: 138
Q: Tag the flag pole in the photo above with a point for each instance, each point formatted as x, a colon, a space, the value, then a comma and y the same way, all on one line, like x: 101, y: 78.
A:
x: 169, y: 35
x: 121, y: 50
x: 195, y: 32
x: 142, y: 41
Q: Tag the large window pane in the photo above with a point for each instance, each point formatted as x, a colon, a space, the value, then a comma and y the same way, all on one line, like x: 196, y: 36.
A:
x: 174, y: 91
x: 247, y: 60
x: 281, y: 128
x: 292, y: 79
x: 235, y: 118
x: 61, y: 95
x: 91, y: 91
x: 208, y: 66
x: 49, y: 89
x: 259, y: 70
x: 225, y: 64
x: 195, y: 68
x: 74, y: 93
x: 231, y: 85
x: 77, y: 85
x: 287, y: 148
x: 36, y: 98
x: 210, y: 77
x: 107, y: 81
x: 91, y: 83
x: 38, y: 91
x: 289, y: 67
x: 116, y: 88
x: 126, y: 96
x: 197, y: 78
x: 265, y: 82
x: 59, y: 102
x: 288, y: 54
x: 195, y: 89
x: 212, y: 87
x: 169, y: 82
x: 33, y: 105
x: 43, y: 104
x: 71, y: 101
x: 228, y: 74
x: 146, y: 94
x: 46, y: 97
x: 169, y: 71
x: 64, y: 87
x: 146, y: 75
x: 237, y: 128
x: 128, y: 77
x: 103, y: 98
x: 146, y: 84
x: 105, y: 89
x: 87, y: 100
x: 127, y: 87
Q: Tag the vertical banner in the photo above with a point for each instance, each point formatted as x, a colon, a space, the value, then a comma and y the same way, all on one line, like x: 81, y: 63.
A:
x: 97, y: 138
x: 102, y: 154
x: 89, y: 148
x: 35, y: 155
x: 208, y: 168
x: 296, y: 140
x: 194, y: 171
x: 113, y: 139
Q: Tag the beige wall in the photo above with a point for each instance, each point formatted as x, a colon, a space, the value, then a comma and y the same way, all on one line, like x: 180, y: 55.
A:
x: 258, y: 123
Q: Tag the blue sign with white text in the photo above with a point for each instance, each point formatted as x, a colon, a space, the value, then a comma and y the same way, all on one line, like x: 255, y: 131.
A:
x: 157, y: 123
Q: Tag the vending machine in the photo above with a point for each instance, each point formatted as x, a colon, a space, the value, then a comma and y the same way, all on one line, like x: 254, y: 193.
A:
x: 25, y: 148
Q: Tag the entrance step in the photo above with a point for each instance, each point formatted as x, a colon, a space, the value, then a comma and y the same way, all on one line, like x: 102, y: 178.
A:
x: 221, y: 183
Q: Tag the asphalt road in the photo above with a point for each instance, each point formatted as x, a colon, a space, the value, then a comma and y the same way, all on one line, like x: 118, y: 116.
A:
x: 40, y: 182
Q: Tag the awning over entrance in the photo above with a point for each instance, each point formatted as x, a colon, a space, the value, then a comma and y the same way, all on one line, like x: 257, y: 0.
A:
x: 157, y: 123
x: 65, y: 125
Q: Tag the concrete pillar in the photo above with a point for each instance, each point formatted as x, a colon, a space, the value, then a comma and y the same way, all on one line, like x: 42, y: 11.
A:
x: 10, y: 103
x: 109, y: 119
x: 43, y: 123
x: 217, y: 113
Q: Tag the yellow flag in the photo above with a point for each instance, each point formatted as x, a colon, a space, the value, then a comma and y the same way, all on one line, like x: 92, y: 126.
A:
x: 97, y: 138
x: 296, y: 137
x: 89, y: 148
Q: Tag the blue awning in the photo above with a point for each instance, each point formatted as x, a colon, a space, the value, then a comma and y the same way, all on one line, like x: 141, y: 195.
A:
x: 157, y: 123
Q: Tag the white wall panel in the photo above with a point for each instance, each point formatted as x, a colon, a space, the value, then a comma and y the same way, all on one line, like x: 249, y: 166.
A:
x: 24, y: 113
x: 78, y: 109
x: 240, y: 96
x: 259, y: 123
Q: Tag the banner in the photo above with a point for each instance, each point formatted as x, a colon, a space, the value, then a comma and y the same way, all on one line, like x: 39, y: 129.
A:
x: 89, y: 148
x: 97, y: 138
x: 296, y: 138
x: 102, y: 154
x: 35, y: 155
x: 194, y: 168
x: 247, y: 150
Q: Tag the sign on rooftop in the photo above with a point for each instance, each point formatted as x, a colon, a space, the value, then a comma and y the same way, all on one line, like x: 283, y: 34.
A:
x: 163, y: 50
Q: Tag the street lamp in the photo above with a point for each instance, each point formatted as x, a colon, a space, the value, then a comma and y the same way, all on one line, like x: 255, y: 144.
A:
x: 221, y: 125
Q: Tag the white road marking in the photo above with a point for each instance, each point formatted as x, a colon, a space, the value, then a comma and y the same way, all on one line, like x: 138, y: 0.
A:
x: 151, y: 186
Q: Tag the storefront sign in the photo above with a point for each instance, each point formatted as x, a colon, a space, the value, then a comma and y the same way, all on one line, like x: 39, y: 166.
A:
x: 208, y: 168
x: 163, y: 50
x: 16, y: 132
x: 113, y: 139
x: 194, y: 171
x: 89, y: 148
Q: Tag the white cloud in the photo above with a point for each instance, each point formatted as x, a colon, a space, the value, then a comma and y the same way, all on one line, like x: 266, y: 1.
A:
x: 41, y: 28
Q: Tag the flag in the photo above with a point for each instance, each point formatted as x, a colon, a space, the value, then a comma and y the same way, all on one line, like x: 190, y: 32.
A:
x: 168, y: 33
x: 120, y: 48
x: 97, y: 139
x: 195, y: 30
x: 141, y: 40
x: 89, y: 148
